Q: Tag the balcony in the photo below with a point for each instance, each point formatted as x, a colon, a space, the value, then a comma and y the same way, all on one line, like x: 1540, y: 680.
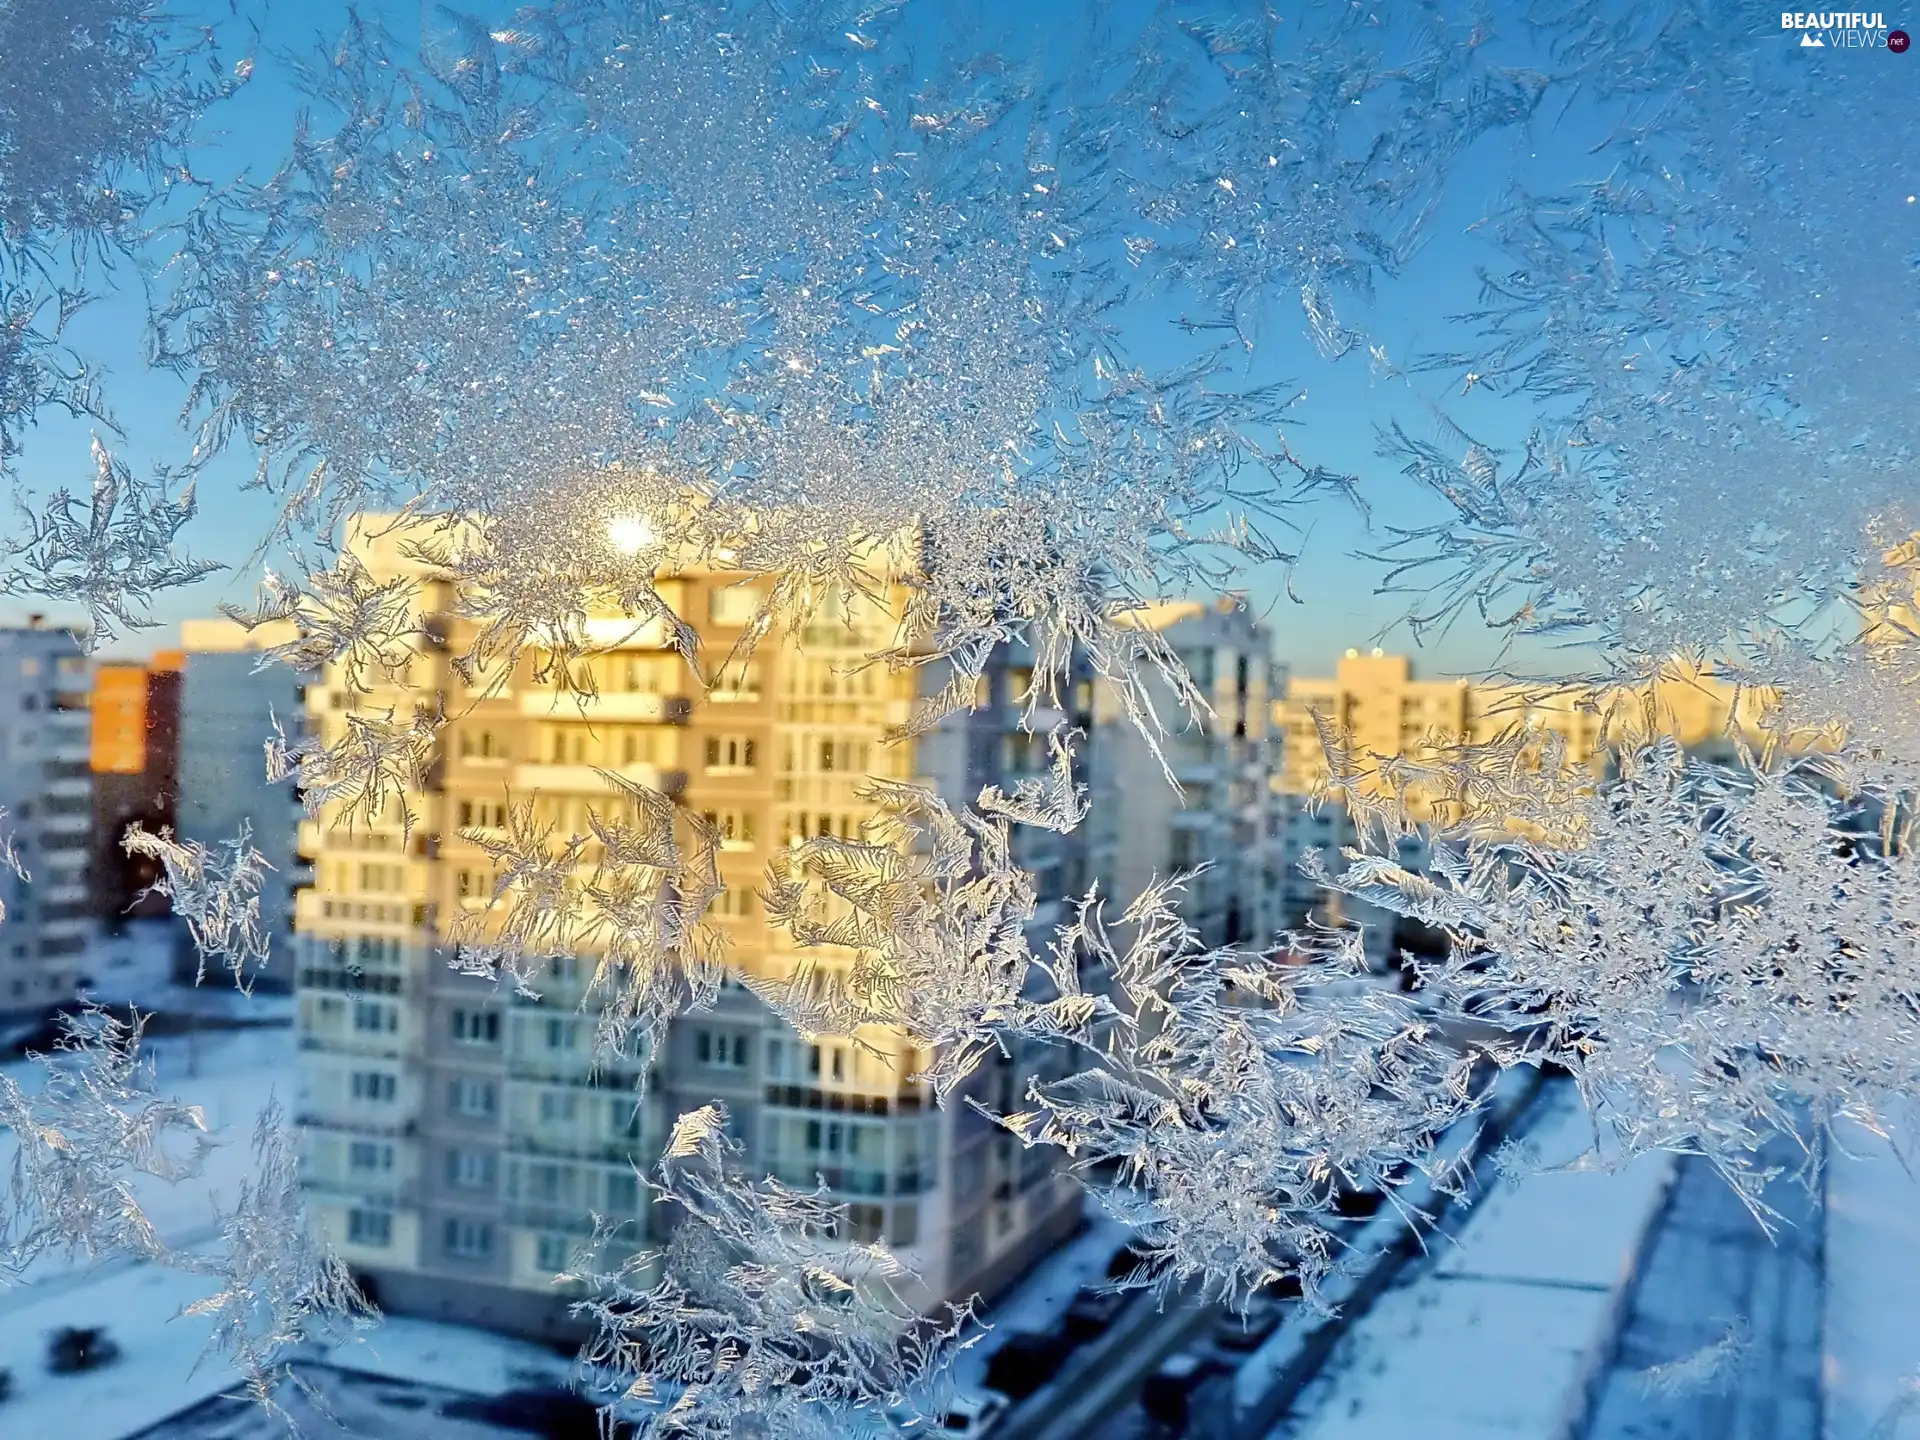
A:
x: 619, y: 707
x: 588, y: 779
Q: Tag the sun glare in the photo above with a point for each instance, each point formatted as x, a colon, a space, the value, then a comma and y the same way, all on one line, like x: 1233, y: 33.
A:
x: 630, y: 534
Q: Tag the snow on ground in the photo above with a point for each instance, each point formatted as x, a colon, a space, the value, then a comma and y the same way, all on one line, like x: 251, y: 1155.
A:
x: 1501, y: 1334
x: 230, y: 1074
x: 1872, y: 1331
x: 154, y: 1376
x: 135, y: 967
x: 431, y: 1352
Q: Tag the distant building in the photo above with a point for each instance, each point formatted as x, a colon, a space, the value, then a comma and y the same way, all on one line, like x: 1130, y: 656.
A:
x: 228, y: 706
x: 135, y: 760
x: 1225, y: 815
x: 1375, y: 700
x: 46, y: 787
x: 458, y: 1136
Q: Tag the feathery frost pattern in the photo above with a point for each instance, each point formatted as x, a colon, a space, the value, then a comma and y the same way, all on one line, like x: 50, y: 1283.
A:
x: 936, y: 914
x: 857, y: 303
x: 216, y: 891
x: 1723, y: 953
x: 92, y: 1128
x: 109, y: 553
x: 279, y: 1286
x: 1232, y: 1096
x: 633, y: 894
x: 755, y: 1318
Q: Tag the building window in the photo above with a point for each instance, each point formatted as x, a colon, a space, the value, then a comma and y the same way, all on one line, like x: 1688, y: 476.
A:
x: 623, y: 1192
x: 563, y: 1034
x: 557, y: 1105
x: 369, y: 1016
x: 476, y: 1027
x: 481, y: 745
x: 735, y: 903
x: 468, y: 1239
x: 370, y: 1227
x: 734, y: 827
x: 369, y: 1155
x: 470, y: 1169
x: 473, y: 1097
x: 906, y: 1225
x: 624, y: 1118
x: 720, y: 1049
x: 736, y: 683
x: 553, y: 1254
x: 483, y: 815
x: 733, y: 605
x: 865, y: 1223
x: 374, y: 1085
x: 731, y: 752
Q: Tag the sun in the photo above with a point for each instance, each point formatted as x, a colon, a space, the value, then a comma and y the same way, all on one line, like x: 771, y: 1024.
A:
x: 630, y: 534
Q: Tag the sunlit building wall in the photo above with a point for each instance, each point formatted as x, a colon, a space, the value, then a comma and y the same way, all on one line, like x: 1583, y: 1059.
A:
x: 457, y: 1137
x: 1376, y: 701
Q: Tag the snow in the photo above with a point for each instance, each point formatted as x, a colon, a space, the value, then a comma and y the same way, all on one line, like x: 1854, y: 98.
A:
x: 1872, y: 1316
x: 154, y: 1376
x: 231, y: 1075
x: 135, y: 967
x: 1501, y: 1335
x: 432, y: 1352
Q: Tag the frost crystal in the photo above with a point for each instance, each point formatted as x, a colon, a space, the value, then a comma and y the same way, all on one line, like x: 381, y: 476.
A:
x: 110, y: 556
x: 278, y: 1285
x: 755, y: 1318
x: 378, y: 760
x: 217, y: 892
x: 632, y: 893
x: 1232, y: 1097
x: 1708, y: 1369
x: 936, y: 915
x: 91, y: 1130
x: 344, y: 617
x: 1721, y: 954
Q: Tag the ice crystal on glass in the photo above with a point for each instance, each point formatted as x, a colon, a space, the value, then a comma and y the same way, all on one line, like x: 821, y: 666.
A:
x: 936, y: 915
x: 367, y: 773
x: 110, y: 552
x: 756, y: 1317
x: 1710, y: 1368
x: 344, y: 617
x: 85, y: 1137
x: 279, y: 1285
x: 632, y: 893
x: 1717, y: 952
x: 216, y: 891
x: 1227, y: 1098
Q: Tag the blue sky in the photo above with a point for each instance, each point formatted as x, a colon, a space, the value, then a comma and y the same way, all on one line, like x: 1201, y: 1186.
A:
x: 1336, y: 423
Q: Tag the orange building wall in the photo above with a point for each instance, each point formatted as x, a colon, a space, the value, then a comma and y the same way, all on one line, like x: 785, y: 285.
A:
x: 119, y: 720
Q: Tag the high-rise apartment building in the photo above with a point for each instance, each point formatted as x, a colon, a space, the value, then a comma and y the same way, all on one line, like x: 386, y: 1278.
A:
x: 46, y: 789
x: 229, y: 704
x: 1225, y: 815
x: 135, y: 759
x: 1376, y: 701
x: 457, y: 1135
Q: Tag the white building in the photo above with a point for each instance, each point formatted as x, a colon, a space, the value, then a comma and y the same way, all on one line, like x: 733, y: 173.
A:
x: 46, y: 788
x: 228, y: 707
x: 1225, y: 814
